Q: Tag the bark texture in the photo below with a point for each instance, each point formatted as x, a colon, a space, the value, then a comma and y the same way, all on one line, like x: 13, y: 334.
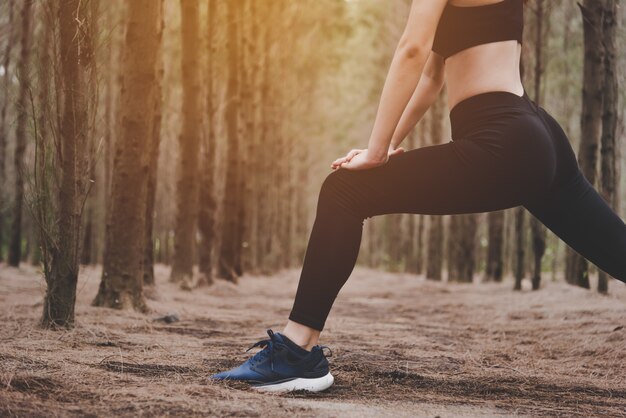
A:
x: 63, y: 260
x: 462, y: 247
x: 153, y: 162
x: 207, y: 201
x: 6, y: 64
x: 23, y: 74
x: 189, y: 140
x: 227, y: 267
x: 122, y: 276
x: 495, y: 232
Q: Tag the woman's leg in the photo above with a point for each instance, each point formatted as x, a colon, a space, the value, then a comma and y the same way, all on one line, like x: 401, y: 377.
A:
x: 463, y: 176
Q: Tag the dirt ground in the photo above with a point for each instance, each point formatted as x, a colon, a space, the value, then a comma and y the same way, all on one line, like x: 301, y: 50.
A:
x: 402, y: 346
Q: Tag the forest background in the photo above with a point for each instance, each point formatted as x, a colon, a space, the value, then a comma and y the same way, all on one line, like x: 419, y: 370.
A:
x: 251, y: 102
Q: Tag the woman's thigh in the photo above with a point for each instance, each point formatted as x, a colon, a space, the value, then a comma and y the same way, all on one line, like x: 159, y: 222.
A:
x: 580, y: 216
x: 463, y: 176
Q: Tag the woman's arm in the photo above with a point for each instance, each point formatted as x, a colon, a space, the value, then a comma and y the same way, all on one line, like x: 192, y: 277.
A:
x: 426, y: 92
x: 404, y: 73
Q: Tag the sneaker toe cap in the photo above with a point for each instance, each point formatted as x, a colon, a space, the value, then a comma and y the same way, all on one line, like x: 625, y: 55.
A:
x: 239, y: 373
x: 221, y: 375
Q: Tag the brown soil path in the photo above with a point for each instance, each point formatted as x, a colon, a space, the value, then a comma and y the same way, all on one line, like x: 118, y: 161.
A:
x: 402, y: 346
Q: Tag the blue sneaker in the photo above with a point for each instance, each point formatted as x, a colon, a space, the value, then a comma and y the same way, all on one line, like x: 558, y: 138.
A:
x: 283, y: 366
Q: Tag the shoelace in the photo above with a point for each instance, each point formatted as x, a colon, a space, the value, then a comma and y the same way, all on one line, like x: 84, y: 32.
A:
x: 267, y: 343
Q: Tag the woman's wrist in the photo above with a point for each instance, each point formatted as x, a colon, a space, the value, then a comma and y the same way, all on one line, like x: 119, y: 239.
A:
x: 376, y: 150
x: 378, y: 157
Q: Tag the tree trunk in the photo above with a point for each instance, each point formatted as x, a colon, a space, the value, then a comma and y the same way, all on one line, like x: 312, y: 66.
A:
x: 282, y: 152
x: 248, y: 143
x: 88, y: 150
x: 539, y: 248
x: 86, y: 257
x: 227, y: 255
x: 153, y: 149
x: 420, y: 239
x: 3, y: 117
x: 207, y: 203
x: 495, y: 262
x: 42, y: 139
x: 415, y: 227
x: 265, y: 167
x: 610, y: 151
x: 409, y: 244
x: 254, y: 188
x: 75, y: 59
x: 419, y: 261
x: 122, y: 275
x: 462, y: 248
x: 436, y: 234
x: 591, y: 115
x: 23, y: 73
x: 537, y: 228
x: 189, y: 140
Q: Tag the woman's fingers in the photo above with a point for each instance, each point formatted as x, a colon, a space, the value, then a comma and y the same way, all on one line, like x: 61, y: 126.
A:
x: 395, y: 152
x: 352, y: 153
x: 347, y: 158
x: 338, y: 161
x: 344, y: 162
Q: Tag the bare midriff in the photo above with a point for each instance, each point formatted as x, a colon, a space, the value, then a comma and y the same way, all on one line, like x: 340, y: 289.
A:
x: 484, y: 68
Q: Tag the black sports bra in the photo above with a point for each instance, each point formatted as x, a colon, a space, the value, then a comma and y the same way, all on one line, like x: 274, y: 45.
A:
x: 461, y: 27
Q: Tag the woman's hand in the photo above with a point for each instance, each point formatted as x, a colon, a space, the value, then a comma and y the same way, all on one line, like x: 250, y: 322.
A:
x: 358, y: 159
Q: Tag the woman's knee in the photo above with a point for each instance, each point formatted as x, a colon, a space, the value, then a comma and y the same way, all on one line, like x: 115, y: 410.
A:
x: 340, y: 190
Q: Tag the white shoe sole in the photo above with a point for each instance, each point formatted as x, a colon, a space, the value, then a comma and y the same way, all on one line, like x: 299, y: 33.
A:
x: 313, y: 385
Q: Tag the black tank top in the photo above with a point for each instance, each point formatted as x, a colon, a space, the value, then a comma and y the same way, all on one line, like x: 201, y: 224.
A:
x: 460, y: 28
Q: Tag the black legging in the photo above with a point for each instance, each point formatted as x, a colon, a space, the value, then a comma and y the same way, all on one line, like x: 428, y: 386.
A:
x: 506, y: 152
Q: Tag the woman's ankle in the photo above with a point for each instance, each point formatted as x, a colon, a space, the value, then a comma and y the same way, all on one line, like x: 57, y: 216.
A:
x: 302, y: 335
